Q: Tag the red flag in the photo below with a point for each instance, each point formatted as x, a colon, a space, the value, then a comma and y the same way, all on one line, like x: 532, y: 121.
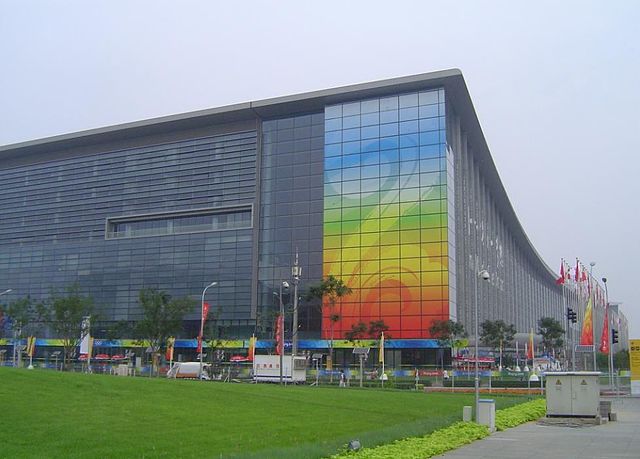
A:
x: 530, y: 351
x: 199, y: 348
x: 560, y: 280
x: 577, y: 270
x: 278, y: 331
x: 604, y: 339
x: 205, y: 311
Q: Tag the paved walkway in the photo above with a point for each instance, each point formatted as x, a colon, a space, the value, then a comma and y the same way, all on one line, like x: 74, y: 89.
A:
x: 614, y: 440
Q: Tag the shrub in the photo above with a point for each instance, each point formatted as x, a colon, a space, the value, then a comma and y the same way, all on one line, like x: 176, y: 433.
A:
x: 438, y: 442
x: 519, y: 414
x: 451, y: 437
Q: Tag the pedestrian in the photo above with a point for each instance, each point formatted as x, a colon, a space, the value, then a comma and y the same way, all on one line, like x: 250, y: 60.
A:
x: 343, y: 382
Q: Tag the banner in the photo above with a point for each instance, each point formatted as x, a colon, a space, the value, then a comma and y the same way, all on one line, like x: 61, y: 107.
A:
x: 252, y: 348
x: 84, y: 335
x: 381, y: 351
x: 586, y: 337
x: 278, y: 332
x: 31, y: 346
x: 90, y: 348
x: 634, y: 361
x: 604, y: 339
x: 170, y: 343
x: 205, y: 311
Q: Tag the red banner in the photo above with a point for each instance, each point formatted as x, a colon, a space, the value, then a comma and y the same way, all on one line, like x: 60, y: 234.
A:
x: 278, y: 332
x: 604, y: 340
x: 205, y: 311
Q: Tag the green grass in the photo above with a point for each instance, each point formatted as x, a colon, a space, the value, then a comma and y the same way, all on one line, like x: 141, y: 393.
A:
x: 70, y: 415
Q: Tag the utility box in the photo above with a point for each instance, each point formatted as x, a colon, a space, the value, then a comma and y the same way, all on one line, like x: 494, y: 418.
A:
x: 573, y: 394
x: 487, y: 413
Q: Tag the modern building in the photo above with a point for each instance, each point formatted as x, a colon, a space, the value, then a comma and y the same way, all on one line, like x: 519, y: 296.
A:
x: 388, y: 185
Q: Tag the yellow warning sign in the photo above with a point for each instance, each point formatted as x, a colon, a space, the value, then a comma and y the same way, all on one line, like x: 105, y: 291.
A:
x: 634, y: 358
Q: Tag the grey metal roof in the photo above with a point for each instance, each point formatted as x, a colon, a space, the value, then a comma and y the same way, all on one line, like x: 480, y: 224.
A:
x: 452, y: 80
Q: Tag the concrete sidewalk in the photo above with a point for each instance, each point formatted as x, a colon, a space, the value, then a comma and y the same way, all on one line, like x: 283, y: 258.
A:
x: 614, y: 440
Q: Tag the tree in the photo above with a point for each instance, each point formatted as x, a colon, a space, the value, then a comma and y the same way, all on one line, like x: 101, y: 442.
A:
x: 22, y: 315
x: 328, y: 291
x: 448, y: 333
x: 376, y: 327
x: 162, y: 317
x: 552, y: 333
x: 496, y: 333
x: 64, y: 313
x: 357, y: 332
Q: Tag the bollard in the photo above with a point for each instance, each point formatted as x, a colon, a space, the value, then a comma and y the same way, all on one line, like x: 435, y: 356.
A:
x: 466, y: 413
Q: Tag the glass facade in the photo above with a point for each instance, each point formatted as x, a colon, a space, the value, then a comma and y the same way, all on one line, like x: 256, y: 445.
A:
x: 378, y: 185
x: 52, y: 231
x: 291, y: 212
x: 385, y: 212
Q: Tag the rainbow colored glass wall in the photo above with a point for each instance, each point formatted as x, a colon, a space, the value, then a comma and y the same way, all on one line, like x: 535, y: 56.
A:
x: 385, y: 212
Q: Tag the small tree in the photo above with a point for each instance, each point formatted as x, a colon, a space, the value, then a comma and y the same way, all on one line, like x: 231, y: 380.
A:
x: 376, y: 327
x: 23, y: 316
x: 496, y: 333
x: 448, y: 333
x: 552, y: 333
x: 65, y: 313
x: 328, y: 291
x: 162, y: 317
x: 357, y: 332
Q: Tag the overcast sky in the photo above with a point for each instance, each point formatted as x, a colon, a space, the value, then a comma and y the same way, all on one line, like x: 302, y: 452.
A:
x: 555, y: 86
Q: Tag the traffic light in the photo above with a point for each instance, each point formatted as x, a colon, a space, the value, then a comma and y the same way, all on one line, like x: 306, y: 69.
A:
x: 571, y: 315
x: 614, y: 336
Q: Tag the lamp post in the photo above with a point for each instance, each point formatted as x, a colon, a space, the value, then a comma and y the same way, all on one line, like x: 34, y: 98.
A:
x: 6, y: 291
x: 202, y: 326
x: 296, y: 272
x: 610, y: 325
x: 283, y: 284
x: 484, y: 274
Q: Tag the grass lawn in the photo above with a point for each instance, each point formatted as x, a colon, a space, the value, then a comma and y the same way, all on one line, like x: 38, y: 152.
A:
x: 69, y: 415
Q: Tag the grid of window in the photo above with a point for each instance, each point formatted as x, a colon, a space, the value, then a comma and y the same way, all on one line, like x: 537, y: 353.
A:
x: 52, y: 231
x: 161, y: 225
x: 291, y: 211
x: 385, y: 211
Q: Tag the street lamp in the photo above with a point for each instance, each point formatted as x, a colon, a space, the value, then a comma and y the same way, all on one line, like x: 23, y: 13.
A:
x: 285, y: 285
x: 6, y: 291
x: 296, y: 272
x: 202, y: 326
x: 484, y: 274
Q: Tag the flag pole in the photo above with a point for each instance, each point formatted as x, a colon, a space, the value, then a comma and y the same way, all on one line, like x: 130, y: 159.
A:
x: 593, y: 314
x: 382, y: 357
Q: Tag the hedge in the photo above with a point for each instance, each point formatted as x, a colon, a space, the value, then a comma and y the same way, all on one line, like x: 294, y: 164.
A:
x: 438, y: 442
x: 452, y: 437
